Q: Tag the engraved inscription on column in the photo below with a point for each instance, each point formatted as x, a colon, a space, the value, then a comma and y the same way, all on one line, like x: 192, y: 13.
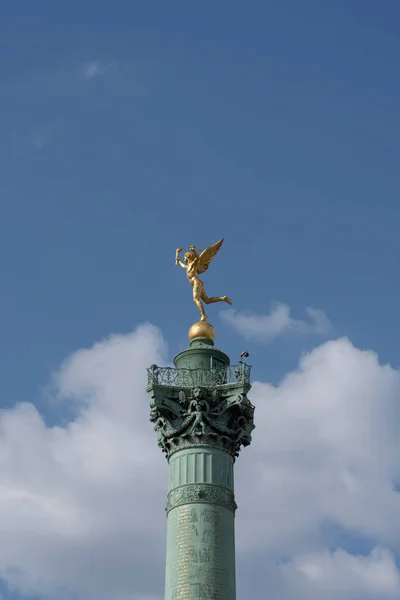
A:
x: 200, y: 562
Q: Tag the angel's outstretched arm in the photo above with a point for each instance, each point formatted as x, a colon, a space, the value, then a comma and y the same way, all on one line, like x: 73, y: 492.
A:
x: 193, y: 250
x: 178, y: 260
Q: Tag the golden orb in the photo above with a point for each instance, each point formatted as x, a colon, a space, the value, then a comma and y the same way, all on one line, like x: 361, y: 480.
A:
x: 202, y: 329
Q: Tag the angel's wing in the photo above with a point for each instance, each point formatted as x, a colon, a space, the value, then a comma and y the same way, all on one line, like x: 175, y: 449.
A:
x: 207, y: 255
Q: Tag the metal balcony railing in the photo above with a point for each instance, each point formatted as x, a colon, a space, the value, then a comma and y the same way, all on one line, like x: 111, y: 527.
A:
x: 168, y: 376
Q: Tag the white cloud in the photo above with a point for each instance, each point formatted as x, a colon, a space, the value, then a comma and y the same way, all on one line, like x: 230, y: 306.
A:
x: 277, y: 322
x: 91, y: 69
x: 337, y: 575
x: 81, y: 507
x: 324, y: 451
x: 94, y: 68
x: 345, y: 574
x: 87, y: 498
x: 40, y: 137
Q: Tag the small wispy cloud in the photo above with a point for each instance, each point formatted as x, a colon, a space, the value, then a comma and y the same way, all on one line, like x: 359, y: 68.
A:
x: 95, y: 68
x: 267, y: 327
x: 40, y: 137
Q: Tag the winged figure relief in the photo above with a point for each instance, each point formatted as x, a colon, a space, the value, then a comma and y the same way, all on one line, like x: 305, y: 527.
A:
x: 195, y: 263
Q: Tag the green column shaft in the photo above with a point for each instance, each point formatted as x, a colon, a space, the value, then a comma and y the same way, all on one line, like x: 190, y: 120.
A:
x: 202, y: 418
x: 200, y: 560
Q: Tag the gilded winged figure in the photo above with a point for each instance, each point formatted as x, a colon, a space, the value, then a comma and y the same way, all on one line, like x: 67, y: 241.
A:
x: 197, y: 262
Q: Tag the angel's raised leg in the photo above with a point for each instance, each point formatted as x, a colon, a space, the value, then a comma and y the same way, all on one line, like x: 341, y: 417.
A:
x: 208, y: 300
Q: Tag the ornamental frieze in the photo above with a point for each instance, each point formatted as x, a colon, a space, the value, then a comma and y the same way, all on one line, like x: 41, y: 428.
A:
x: 199, y: 493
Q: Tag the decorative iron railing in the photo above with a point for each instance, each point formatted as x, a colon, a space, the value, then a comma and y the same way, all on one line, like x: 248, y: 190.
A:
x: 168, y: 376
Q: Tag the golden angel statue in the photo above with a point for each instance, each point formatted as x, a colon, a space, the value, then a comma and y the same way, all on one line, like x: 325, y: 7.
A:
x: 195, y: 264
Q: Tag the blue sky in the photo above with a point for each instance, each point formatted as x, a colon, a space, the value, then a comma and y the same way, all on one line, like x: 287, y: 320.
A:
x: 131, y: 128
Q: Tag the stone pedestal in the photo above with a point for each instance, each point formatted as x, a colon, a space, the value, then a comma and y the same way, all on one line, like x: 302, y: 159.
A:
x: 202, y: 417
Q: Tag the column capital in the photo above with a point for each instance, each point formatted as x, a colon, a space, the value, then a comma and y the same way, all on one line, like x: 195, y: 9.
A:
x: 201, y: 407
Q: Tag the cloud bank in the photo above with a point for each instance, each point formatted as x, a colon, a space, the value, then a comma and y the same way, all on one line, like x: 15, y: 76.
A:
x: 82, y: 506
x: 265, y: 328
